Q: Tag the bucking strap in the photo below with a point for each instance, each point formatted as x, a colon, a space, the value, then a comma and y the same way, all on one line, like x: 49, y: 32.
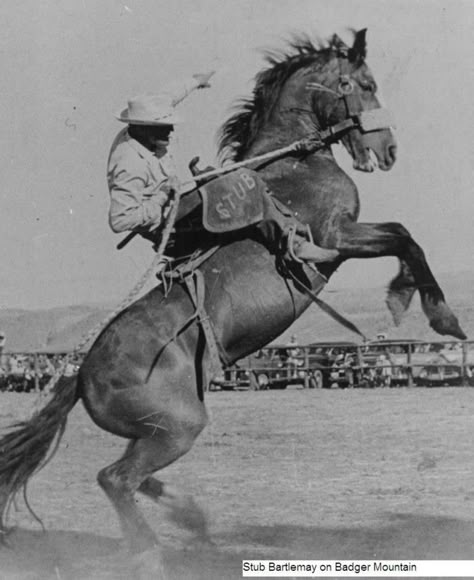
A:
x: 233, y: 202
x: 196, y: 288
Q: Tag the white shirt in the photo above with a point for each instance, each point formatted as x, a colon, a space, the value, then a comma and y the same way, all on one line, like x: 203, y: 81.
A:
x: 135, y: 176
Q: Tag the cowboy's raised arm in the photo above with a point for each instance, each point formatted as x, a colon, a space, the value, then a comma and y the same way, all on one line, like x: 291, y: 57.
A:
x: 178, y: 91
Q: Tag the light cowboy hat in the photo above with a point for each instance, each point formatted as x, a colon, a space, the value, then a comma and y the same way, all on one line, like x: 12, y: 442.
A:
x: 149, y: 110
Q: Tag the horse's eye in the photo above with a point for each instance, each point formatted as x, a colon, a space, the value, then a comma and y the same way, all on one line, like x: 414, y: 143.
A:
x: 368, y: 86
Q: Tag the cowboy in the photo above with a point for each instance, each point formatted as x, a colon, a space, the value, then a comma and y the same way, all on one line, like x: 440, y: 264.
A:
x: 141, y: 176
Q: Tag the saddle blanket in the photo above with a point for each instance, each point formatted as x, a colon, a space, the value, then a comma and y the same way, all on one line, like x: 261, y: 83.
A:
x: 233, y: 201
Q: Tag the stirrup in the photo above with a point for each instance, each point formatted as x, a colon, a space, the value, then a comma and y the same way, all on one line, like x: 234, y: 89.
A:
x: 291, y: 243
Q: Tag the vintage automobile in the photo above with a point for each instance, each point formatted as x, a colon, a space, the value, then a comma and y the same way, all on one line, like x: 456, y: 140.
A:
x: 414, y: 362
x: 406, y: 358
x: 276, y: 367
x: 346, y: 364
x: 314, y: 366
x: 335, y: 365
x: 447, y: 367
x: 265, y: 369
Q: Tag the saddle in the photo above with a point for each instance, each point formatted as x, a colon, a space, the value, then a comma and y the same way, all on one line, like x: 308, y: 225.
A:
x: 233, y: 202
x: 218, y: 212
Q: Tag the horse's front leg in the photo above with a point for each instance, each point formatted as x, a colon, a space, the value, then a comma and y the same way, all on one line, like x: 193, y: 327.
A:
x: 366, y: 240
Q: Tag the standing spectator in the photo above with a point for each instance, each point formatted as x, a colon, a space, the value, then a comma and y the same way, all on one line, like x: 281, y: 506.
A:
x: 3, y: 340
x: 349, y: 364
x: 294, y: 355
x: 384, y: 370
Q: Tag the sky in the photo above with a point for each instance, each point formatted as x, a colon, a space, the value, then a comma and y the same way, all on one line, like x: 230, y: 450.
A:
x: 69, y: 65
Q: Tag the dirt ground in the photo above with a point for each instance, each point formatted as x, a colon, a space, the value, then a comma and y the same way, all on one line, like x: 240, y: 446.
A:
x: 307, y: 474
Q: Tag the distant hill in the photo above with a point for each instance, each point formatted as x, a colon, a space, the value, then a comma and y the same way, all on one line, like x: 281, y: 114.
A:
x: 55, y: 329
x: 62, y: 328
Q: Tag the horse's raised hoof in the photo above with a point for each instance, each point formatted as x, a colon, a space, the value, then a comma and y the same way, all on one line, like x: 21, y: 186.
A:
x: 450, y: 328
x: 448, y: 325
x: 148, y: 565
x: 398, y: 301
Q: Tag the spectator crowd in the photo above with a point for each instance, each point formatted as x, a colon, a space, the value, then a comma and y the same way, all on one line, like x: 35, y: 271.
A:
x: 31, y: 372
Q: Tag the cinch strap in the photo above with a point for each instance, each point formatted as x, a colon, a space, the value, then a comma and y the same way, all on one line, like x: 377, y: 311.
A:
x: 196, y: 288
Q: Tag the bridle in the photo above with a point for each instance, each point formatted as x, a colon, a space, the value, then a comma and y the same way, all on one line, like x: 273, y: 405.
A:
x: 366, y: 121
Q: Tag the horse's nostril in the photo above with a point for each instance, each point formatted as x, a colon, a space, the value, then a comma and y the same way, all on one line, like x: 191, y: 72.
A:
x: 392, y: 153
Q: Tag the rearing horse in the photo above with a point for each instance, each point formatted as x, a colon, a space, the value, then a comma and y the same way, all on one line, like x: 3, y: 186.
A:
x: 156, y: 401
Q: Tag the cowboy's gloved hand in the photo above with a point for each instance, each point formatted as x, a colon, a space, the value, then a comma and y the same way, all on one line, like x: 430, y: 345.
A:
x: 172, y: 184
x: 308, y: 145
x: 203, y: 79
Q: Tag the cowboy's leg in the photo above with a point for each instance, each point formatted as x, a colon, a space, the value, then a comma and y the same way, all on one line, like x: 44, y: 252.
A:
x: 278, y: 221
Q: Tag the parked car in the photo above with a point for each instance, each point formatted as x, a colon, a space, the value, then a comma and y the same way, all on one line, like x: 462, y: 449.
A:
x: 440, y: 373
x: 268, y: 368
x: 447, y: 367
x: 278, y: 366
x: 406, y: 357
x: 275, y: 367
x: 235, y: 377
x: 332, y: 364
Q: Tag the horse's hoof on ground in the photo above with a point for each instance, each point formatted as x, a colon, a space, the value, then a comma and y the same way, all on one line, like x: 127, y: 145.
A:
x: 198, y: 542
x: 5, y: 537
x: 187, y: 513
x: 148, y: 565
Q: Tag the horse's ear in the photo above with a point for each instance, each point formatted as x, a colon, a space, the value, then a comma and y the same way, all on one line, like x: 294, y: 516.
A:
x: 338, y: 43
x: 358, y: 52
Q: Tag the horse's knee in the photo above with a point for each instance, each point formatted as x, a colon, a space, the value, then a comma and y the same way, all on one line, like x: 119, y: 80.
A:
x: 395, y: 228
x: 109, y: 481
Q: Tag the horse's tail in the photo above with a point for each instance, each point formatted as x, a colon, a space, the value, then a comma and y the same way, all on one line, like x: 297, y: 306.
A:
x: 24, y: 449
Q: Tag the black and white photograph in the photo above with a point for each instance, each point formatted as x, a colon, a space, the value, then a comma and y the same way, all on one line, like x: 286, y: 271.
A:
x: 237, y: 303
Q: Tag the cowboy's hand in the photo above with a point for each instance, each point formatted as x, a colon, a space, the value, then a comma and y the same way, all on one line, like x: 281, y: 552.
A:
x: 170, y: 185
x: 173, y: 183
x: 203, y: 79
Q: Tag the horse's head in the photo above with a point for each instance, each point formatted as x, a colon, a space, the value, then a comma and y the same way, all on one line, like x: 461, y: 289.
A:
x: 314, y: 90
x: 342, y: 89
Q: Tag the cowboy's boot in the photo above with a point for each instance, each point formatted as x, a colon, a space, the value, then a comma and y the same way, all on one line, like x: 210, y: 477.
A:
x: 306, y: 251
x: 301, y: 248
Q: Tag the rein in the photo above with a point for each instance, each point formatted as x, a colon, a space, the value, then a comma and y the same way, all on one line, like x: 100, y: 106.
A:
x: 325, y: 307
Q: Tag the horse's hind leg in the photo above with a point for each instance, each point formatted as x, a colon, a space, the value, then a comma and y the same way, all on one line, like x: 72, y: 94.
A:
x: 365, y: 240
x: 183, y: 508
x: 121, y: 480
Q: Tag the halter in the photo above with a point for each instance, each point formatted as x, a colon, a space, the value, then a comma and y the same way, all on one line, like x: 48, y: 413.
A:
x: 366, y: 121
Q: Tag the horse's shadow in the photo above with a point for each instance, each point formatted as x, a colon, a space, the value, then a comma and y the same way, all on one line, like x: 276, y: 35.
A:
x: 61, y: 555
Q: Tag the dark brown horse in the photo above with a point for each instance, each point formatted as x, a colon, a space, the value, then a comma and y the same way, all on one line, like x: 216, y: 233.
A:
x: 156, y: 401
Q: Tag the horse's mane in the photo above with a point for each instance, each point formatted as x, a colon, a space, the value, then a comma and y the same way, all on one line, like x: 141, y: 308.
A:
x: 239, y: 131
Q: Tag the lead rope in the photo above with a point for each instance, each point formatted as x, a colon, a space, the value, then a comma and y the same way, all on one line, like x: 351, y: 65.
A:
x: 158, y: 263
